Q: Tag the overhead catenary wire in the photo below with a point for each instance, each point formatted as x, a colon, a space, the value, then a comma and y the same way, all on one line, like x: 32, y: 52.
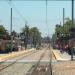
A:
x: 11, y: 4
x: 11, y: 25
x: 38, y: 0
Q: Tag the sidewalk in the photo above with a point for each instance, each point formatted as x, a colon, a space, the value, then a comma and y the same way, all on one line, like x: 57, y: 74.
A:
x: 4, y: 57
x: 61, y: 57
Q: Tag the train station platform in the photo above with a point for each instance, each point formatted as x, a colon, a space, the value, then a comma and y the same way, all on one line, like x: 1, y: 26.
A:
x: 4, y: 57
x: 61, y: 56
x: 64, y: 68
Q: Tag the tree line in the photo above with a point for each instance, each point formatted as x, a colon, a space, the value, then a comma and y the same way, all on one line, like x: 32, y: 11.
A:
x: 33, y: 34
x: 64, y: 32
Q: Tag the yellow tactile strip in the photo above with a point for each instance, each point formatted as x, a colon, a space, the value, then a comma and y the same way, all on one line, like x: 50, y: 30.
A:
x: 57, y: 55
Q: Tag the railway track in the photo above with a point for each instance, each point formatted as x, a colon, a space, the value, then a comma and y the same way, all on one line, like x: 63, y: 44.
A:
x: 41, y: 68
x: 4, y: 64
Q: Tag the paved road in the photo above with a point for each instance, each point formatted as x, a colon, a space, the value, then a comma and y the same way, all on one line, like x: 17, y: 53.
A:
x: 24, y: 64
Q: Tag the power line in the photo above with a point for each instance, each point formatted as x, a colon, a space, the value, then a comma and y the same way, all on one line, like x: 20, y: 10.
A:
x: 63, y: 18
x: 37, y: 0
x: 14, y: 7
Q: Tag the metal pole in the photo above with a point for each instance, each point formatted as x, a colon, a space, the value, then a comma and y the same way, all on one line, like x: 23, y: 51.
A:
x: 72, y: 25
x: 11, y: 19
x: 11, y: 31
x: 60, y: 23
x: 63, y: 17
x: 46, y: 12
x: 72, y: 13
x: 25, y: 36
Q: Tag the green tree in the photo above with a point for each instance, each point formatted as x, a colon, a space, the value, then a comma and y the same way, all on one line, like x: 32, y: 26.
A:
x: 14, y: 33
x: 25, y: 32
x: 65, y: 29
x: 36, y: 36
x: 58, y: 29
x: 3, y: 32
x: 2, y: 29
x: 67, y: 26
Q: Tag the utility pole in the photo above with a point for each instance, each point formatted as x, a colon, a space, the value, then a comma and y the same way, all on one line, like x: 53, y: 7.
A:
x: 46, y: 12
x: 64, y: 33
x: 11, y: 41
x: 11, y: 22
x: 72, y: 13
x: 72, y: 25
x: 63, y: 17
x: 26, y: 35
x: 60, y: 23
x: 11, y: 32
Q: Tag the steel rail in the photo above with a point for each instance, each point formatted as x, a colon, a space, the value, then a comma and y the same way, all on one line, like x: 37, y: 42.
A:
x: 33, y: 69
x: 6, y: 66
x: 50, y: 65
x: 37, y: 64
